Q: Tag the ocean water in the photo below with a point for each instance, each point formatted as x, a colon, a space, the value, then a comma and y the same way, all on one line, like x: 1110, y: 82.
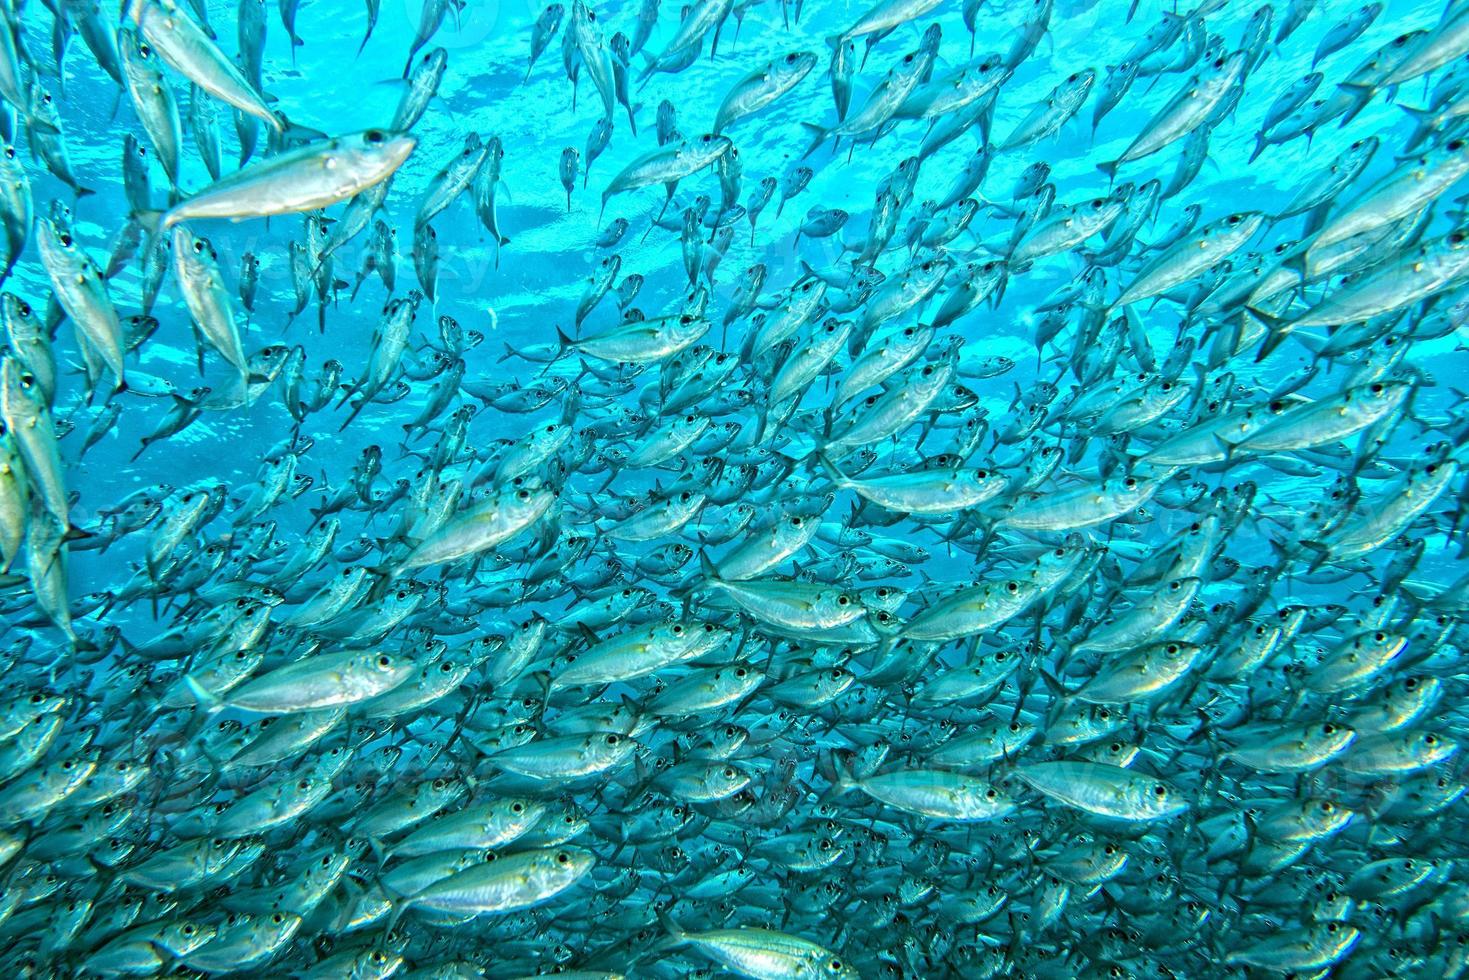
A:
x: 1119, y: 713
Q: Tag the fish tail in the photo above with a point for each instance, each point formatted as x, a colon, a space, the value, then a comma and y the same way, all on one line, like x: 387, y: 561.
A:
x: 669, y: 926
x: 361, y: 404
x: 830, y: 468
x: 818, y: 134
x: 207, y: 700
x: 1279, y: 330
x: 837, y: 774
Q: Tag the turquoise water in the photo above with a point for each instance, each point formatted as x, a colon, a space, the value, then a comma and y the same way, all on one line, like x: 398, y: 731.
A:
x: 1099, y: 777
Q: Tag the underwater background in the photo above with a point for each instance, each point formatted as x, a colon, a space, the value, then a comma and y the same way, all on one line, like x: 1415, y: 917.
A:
x: 1019, y: 533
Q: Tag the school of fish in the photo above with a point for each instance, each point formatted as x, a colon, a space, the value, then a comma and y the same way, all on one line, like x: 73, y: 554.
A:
x: 1039, y: 551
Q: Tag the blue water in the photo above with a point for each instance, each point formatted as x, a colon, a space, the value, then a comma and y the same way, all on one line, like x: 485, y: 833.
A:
x: 1198, y: 890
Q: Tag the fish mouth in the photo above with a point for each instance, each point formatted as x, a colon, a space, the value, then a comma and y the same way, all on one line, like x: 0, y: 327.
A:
x: 398, y: 148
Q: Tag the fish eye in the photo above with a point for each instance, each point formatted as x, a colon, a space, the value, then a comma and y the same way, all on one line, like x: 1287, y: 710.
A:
x: 1328, y: 729
x: 836, y: 675
x: 1430, y: 740
x: 1376, y: 389
x: 1160, y: 790
x: 188, y: 929
x: 517, y: 808
x: 384, y: 661
x: 834, y: 966
x: 1456, y: 145
x: 611, y: 738
x: 843, y: 600
x: 65, y: 239
x: 1012, y: 587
